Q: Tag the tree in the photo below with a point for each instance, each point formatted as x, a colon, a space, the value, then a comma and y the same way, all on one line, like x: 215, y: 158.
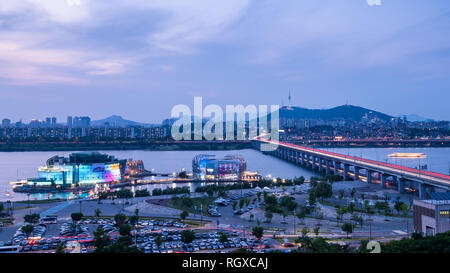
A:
x: 136, y: 212
x: 316, y: 230
x: 76, y: 216
x: 399, y: 206
x: 292, y: 206
x: 187, y: 236
x: 241, y: 203
x: 352, y: 193
x: 340, y: 211
x: 269, y: 215
x: 234, y: 205
x: 223, y: 237
x: 32, y: 218
x: 301, y: 215
x: 183, y: 215
x: 101, y: 241
x: 347, y: 228
x: 305, y: 231
x: 158, y: 241
x: 258, y: 232
x: 312, y: 198
x: 438, y: 243
x: 97, y: 212
x: 284, y: 213
x: 133, y: 219
x: 119, y: 219
x: 210, y: 192
x: 351, y: 207
x: 271, y: 200
x: 27, y: 229
x: 324, y: 190
x: 1, y: 207
x: 258, y: 195
x: 124, y: 230
x: 251, y: 216
x: 60, y: 248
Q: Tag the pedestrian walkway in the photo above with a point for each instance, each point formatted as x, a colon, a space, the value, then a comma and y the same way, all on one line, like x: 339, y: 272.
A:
x: 56, y: 209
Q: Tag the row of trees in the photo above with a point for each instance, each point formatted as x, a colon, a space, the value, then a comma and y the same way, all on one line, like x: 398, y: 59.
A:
x: 167, y: 191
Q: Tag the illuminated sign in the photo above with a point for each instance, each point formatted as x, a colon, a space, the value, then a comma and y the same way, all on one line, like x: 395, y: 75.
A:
x: 444, y: 213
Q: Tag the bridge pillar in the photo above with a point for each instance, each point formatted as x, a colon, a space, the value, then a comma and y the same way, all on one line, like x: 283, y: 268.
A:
x: 383, y: 180
x: 314, y: 159
x: 422, y: 191
x: 336, y: 167
x: 346, y: 169
x: 400, y: 184
x: 369, y: 176
x: 320, y: 165
x: 303, y: 159
x: 356, y: 172
x: 327, y: 169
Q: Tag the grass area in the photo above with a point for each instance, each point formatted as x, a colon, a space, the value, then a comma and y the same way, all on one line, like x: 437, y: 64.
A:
x: 6, y: 221
x: 46, y: 201
x: 182, y: 204
x: 377, y: 213
x: 20, y: 208
x: 194, y: 222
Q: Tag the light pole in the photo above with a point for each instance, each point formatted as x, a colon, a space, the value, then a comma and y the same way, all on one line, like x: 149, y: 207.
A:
x: 29, y: 207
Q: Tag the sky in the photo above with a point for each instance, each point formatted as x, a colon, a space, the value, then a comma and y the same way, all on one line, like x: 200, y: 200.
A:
x: 139, y: 58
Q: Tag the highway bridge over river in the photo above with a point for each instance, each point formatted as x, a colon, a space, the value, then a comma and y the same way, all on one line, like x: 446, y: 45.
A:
x: 357, y: 168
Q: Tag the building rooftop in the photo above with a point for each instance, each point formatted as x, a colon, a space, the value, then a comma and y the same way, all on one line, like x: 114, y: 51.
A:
x: 440, y: 195
x: 436, y: 202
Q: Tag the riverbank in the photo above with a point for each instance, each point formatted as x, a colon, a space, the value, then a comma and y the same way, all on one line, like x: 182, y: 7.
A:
x: 407, y: 143
x: 125, y: 145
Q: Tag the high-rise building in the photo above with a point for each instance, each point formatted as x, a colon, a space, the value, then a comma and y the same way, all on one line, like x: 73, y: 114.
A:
x: 69, y: 121
x: 6, y: 122
x: 81, y: 122
x: 53, y: 121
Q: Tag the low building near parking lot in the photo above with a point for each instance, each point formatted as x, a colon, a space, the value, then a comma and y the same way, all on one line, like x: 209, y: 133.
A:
x: 431, y: 216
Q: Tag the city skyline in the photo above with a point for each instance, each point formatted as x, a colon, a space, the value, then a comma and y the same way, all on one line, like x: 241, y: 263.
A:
x: 84, y: 58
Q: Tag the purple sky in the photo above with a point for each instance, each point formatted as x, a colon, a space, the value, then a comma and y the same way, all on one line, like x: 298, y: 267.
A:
x: 139, y: 58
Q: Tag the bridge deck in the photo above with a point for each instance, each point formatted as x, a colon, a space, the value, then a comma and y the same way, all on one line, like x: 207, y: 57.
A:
x: 411, y: 173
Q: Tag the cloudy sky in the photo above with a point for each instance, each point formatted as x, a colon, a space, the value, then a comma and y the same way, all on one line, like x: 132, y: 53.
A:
x: 139, y: 58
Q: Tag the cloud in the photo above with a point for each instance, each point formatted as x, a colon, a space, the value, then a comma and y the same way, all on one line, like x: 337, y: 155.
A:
x: 107, y: 67
x: 188, y: 23
x: 29, y: 60
x: 56, y: 39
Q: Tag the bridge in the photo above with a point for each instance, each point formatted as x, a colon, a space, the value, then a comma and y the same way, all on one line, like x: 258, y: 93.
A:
x: 356, y: 168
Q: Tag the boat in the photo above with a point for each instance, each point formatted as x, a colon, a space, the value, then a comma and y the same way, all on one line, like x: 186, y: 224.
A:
x: 407, y: 155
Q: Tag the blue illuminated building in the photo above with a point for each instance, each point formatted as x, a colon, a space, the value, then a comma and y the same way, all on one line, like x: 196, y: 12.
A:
x: 79, y: 169
x: 207, y: 167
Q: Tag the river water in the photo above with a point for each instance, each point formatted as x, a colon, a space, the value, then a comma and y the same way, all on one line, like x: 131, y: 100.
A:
x: 20, y: 165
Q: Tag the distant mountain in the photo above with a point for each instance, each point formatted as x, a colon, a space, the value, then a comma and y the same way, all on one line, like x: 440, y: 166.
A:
x: 414, y: 117
x: 118, y: 121
x: 348, y: 112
